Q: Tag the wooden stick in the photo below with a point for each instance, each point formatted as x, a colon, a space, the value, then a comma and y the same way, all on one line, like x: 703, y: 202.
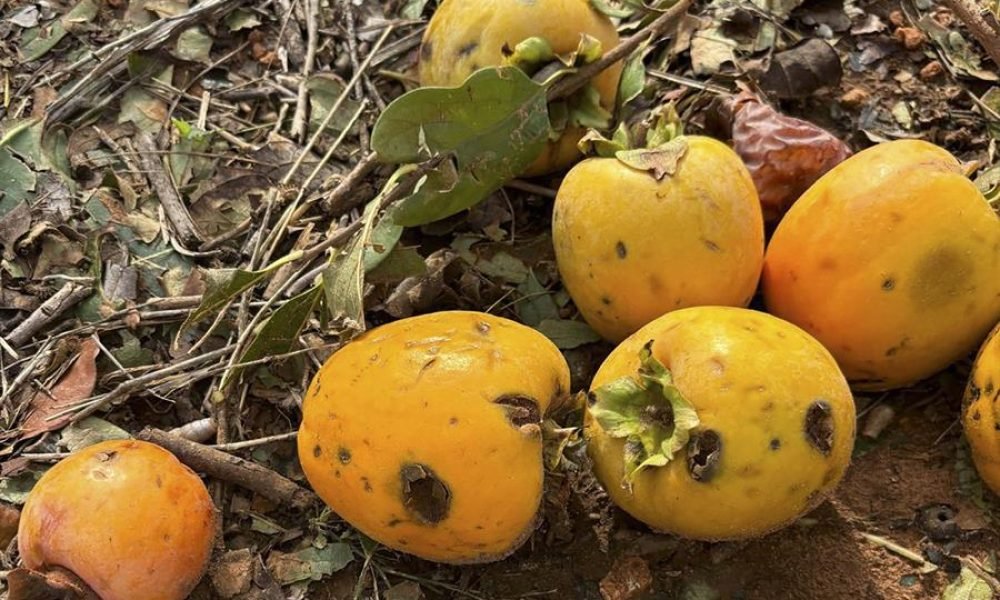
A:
x: 233, y: 469
x: 67, y: 296
x: 987, y: 33
x: 163, y: 185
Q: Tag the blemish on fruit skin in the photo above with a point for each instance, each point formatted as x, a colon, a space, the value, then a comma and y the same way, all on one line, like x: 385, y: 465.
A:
x: 367, y: 484
x: 426, y: 50
x: 467, y: 49
x: 393, y: 522
x: 819, y: 426
x: 888, y: 284
x: 711, y: 245
x: 655, y: 284
x: 344, y: 455
x: 828, y: 264
x: 453, y: 421
x: 483, y: 327
x: 606, y: 300
x: 317, y: 451
x: 159, y: 481
x: 621, y: 250
x: 336, y: 473
x: 717, y: 365
x: 775, y: 444
x: 940, y: 277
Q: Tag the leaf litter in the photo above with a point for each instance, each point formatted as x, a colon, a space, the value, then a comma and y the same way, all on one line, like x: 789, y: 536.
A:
x: 220, y: 87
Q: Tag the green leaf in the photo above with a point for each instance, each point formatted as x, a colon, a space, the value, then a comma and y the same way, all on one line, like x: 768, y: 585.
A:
x: 594, y: 142
x: 397, y: 266
x: 385, y: 236
x: 660, y: 162
x: 991, y: 99
x: 15, y: 489
x: 183, y: 159
x: 142, y: 108
x: 988, y: 183
x: 39, y: 40
x: 241, y: 19
x: 280, y: 332
x: 968, y: 586
x: 17, y: 181
x: 222, y: 286
x: 531, y: 54
x: 633, y: 79
x: 586, y: 110
x: 310, y: 564
x: 962, y: 55
x: 413, y: 9
x: 195, y: 45
x: 494, y: 125
x: 90, y: 431
x: 567, y: 334
x: 324, y: 90
x: 648, y: 412
x: 536, y: 303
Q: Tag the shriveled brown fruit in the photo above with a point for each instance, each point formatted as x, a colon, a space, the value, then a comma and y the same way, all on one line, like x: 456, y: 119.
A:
x: 784, y: 155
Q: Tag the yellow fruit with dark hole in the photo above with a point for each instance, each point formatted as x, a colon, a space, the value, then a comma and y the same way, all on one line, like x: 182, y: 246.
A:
x: 981, y: 411
x: 425, y: 433
x: 126, y: 517
x: 719, y: 423
x: 463, y: 37
x: 631, y: 248
x: 892, y: 261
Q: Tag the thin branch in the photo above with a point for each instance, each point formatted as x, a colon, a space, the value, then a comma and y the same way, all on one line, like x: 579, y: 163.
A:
x: 68, y: 296
x: 163, y: 184
x: 573, y: 82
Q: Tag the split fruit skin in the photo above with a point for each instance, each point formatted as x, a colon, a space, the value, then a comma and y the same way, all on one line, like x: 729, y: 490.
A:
x: 781, y: 409
x: 463, y: 37
x: 892, y: 261
x: 631, y: 248
x: 126, y: 517
x: 425, y: 433
x: 981, y: 411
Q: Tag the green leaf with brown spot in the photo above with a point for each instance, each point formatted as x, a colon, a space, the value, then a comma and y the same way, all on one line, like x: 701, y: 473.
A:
x: 968, y: 586
x: 648, y: 412
x: 492, y: 126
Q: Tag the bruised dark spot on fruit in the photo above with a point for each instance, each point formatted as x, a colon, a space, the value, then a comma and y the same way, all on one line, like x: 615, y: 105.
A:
x: 159, y: 481
x: 888, y: 284
x: 522, y: 412
x: 828, y: 264
x: 453, y: 421
x: 336, y: 473
x: 989, y: 388
x: 775, y: 444
x: 704, y: 450
x: 819, y: 426
x: 941, y: 277
x: 606, y: 300
x: 393, y: 522
x: 974, y: 392
x: 426, y: 50
x: 711, y: 245
x: 621, y: 250
x: 344, y: 455
x: 768, y: 406
x: 367, y: 484
x: 467, y: 49
x: 655, y: 284
x: 428, y: 364
x: 996, y: 426
x: 895, y: 349
x: 425, y: 496
x: 976, y: 416
x: 591, y: 398
x: 483, y: 327
x: 317, y: 451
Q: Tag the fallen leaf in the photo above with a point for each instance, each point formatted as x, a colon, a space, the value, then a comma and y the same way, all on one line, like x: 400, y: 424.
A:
x: 38, y: 41
x: 26, y: 17
x: 710, y: 50
x: 408, y: 590
x: 968, y: 586
x: 75, y: 386
x: 195, y: 45
x: 310, y: 564
x: 241, y: 19
x: 802, y: 69
x: 567, y: 334
x: 232, y: 573
x: 660, y: 162
x: 16, y: 486
x: 784, y: 155
x: 629, y: 579
x: 90, y: 431
x: 9, y: 518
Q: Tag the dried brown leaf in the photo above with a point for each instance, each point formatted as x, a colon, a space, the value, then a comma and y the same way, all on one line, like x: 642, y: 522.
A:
x: 9, y: 519
x: 785, y: 155
x: 75, y: 385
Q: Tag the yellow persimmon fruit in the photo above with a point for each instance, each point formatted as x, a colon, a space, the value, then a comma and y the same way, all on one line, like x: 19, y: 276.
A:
x: 463, y: 37
x: 719, y: 423
x: 631, y: 247
x: 981, y: 411
x: 892, y: 261
x: 425, y: 433
x: 124, y: 516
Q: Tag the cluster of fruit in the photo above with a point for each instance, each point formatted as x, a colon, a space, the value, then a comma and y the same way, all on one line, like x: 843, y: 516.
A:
x: 709, y: 420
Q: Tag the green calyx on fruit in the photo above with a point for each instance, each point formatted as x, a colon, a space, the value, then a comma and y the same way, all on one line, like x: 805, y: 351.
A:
x: 661, y: 153
x: 536, y: 57
x: 648, y: 412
